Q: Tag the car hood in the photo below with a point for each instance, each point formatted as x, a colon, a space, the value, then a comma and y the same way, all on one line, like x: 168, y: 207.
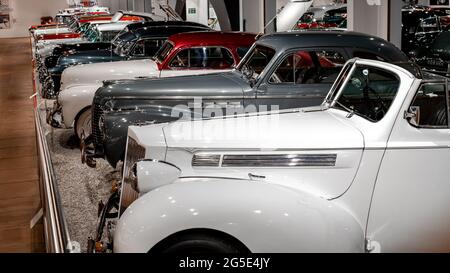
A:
x: 256, y: 143
x: 88, y: 56
x: 98, y: 72
x: 302, y: 129
x: 186, y: 87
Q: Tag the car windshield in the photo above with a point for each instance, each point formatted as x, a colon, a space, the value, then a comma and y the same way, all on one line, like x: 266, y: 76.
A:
x: 122, y: 38
x: 257, y: 60
x: 163, y: 52
x: 367, y: 92
x: 124, y: 46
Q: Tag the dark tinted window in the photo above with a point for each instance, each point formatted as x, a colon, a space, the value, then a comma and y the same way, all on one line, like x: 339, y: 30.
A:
x: 258, y: 59
x: 367, y: 55
x: 442, y: 42
x: 309, y: 67
x: 203, y: 57
x: 431, y: 101
x: 241, y: 51
x: 147, y: 48
x: 369, y: 92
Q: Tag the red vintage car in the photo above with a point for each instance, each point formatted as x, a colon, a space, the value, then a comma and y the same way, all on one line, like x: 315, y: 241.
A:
x: 179, y: 53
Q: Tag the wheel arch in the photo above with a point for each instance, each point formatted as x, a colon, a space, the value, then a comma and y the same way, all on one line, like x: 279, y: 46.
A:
x: 264, y: 217
x: 220, y: 235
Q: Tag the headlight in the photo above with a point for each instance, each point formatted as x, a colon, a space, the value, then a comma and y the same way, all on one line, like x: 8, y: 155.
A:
x: 151, y: 174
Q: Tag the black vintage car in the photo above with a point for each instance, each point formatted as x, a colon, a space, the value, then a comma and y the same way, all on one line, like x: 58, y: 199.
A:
x: 294, y: 69
x: 436, y: 57
x: 125, y: 47
x: 419, y: 28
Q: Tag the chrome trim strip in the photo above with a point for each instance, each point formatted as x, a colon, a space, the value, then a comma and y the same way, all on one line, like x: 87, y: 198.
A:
x: 282, y: 160
x: 264, y: 160
x: 159, y: 161
x: 175, y: 97
x: 206, y: 160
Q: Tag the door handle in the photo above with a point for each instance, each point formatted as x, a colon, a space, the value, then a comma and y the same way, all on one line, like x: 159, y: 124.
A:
x: 256, y: 177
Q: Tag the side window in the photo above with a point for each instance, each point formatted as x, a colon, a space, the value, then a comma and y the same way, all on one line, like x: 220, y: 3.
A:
x: 431, y: 106
x: 147, y: 48
x: 152, y: 46
x: 309, y: 67
x: 203, y: 57
x: 367, y: 55
x: 138, y: 49
x: 428, y: 25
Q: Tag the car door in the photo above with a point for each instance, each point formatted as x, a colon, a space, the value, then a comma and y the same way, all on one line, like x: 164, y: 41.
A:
x: 300, y: 78
x: 411, y: 200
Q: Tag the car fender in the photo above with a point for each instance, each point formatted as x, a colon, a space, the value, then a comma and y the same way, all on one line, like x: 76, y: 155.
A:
x: 265, y: 217
x: 74, y: 99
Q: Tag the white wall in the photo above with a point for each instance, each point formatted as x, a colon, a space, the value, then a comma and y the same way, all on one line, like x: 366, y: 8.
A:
x: 253, y: 14
x: 29, y: 12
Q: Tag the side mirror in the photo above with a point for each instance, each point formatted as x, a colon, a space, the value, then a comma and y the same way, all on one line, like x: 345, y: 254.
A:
x: 413, y: 115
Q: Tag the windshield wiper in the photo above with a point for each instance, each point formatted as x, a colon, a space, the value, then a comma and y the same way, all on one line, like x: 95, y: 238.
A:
x: 351, y: 112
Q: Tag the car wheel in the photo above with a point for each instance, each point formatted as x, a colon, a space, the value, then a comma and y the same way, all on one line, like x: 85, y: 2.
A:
x: 198, y: 244
x: 83, y: 127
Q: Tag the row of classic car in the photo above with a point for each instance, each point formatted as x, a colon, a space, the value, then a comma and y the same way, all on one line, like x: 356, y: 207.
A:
x: 316, y: 141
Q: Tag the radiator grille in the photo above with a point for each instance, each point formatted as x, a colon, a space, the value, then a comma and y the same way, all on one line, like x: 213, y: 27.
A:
x: 97, y: 113
x: 134, y: 153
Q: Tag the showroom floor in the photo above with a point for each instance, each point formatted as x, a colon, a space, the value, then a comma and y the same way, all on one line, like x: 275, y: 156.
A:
x: 19, y: 193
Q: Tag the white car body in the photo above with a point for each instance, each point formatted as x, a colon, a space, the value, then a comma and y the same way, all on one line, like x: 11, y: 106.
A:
x: 291, y: 12
x: 55, y: 30
x: 388, y: 185
x: 79, y: 83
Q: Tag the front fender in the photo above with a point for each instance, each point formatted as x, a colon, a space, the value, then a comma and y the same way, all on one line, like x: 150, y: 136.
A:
x: 116, y: 125
x: 266, y: 218
x: 74, y: 99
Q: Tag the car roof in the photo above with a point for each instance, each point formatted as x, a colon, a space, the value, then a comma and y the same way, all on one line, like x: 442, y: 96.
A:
x: 164, y: 31
x: 113, y: 26
x: 205, y: 38
x: 139, y: 25
x: 283, y: 41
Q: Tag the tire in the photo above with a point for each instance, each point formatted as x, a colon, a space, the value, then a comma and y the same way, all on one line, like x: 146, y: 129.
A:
x: 198, y: 244
x: 83, y: 124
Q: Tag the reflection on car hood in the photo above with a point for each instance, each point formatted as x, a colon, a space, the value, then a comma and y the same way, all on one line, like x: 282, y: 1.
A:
x: 88, y: 56
x: 211, y: 85
x: 285, y: 130
x: 98, y: 72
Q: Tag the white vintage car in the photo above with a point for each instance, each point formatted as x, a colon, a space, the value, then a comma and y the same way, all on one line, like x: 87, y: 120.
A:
x: 79, y: 83
x: 367, y: 171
